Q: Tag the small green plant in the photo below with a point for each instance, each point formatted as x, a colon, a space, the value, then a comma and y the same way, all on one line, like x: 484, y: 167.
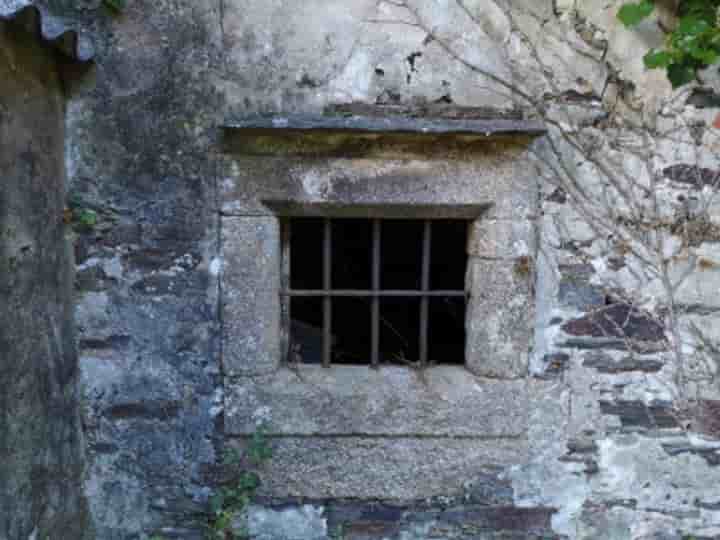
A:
x: 116, y: 6
x: 87, y: 218
x: 234, y: 497
x: 693, y: 44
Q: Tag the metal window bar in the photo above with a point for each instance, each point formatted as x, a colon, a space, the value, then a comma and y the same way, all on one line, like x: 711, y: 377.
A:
x: 327, y: 300
x: 327, y: 293
x: 425, y: 299
x: 285, y: 301
x: 375, y: 322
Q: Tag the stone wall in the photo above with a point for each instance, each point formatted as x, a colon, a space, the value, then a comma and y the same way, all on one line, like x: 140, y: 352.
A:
x: 41, y: 443
x: 601, y: 439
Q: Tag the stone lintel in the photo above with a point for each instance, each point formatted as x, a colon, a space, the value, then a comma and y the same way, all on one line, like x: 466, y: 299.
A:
x: 384, y: 211
x: 442, y: 401
x: 486, y: 180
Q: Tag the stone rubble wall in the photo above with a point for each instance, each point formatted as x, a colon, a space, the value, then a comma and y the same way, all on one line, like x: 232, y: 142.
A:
x: 609, y: 449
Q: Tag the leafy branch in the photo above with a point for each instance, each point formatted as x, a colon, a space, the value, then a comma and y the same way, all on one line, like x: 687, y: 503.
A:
x: 693, y: 44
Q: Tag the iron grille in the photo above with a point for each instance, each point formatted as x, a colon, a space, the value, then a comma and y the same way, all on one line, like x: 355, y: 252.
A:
x: 373, y: 295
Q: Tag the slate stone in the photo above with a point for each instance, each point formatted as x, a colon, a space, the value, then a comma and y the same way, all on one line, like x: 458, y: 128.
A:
x: 704, y: 98
x: 636, y: 414
x: 555, y: 364
x: 606, y: 364
x: 710, y: 455
x: 617, y: 321
x: 582, y: 296
x: 692, y: 175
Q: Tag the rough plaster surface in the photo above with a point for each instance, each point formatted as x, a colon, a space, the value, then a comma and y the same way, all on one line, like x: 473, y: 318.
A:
x: 143, y: 149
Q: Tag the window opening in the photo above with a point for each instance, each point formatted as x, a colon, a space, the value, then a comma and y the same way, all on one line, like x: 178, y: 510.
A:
x: 374, y: 291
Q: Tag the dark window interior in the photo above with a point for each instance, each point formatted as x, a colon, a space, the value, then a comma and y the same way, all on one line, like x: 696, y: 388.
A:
x: 400, y: 293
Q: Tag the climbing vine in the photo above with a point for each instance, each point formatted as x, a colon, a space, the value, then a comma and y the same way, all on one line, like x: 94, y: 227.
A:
x: 693, y: 43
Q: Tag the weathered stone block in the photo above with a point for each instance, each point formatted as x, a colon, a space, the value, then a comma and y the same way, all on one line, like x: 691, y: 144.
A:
x: 251, y: 295
x: 501, y: 238
x: 443, y: 401
x: 500, y: 317
x: 386, y: 468
x: 486, y: 177
x: 305, y: 522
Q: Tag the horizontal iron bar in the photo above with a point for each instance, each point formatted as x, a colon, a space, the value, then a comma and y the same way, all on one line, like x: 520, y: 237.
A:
x: 369, y: 293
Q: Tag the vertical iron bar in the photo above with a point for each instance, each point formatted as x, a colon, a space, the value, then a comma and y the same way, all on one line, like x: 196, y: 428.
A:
x: 425, y: 300
x: 376, y: 239
x: 327, y: 301
x: 285, y: 300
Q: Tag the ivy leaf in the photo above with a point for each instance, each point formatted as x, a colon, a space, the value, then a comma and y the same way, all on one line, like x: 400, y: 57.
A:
x: 703, y: 55
x: 117, y: 6
x: 634, y: 14
x: 657, y: 59
x: 680, y: 74
x: 86, y: 218
x: 216, y: 503
x: 692, y: 26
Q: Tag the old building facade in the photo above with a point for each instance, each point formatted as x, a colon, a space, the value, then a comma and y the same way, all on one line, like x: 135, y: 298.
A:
x: 494, y: 227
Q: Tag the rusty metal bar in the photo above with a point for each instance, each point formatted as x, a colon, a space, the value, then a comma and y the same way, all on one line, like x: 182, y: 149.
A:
x: 370, y: 293
x: 425, y: 299
x: 285, y: 301
x: 375, y: 330
x: 327, y: 300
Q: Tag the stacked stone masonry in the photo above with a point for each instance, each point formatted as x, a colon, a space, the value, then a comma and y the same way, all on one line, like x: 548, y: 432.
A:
x: 587, y: 406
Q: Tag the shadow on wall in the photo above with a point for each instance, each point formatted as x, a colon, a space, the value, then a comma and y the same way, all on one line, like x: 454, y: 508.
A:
x: 41, y: 448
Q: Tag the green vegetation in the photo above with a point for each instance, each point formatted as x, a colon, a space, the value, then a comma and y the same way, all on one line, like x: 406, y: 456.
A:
x: 694, y: 43
x: 116, y: 6
x: 234, y: 497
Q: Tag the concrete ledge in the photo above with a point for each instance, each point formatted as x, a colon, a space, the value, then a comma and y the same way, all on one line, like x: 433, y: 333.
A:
x: 443, y: 401
x: 365, y: 135
x: 279, y: 123
x: 287, y: 208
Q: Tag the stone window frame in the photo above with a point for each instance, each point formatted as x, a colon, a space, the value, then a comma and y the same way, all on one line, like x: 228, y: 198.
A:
x: 309, y: 400
x: 486, y: 235
x: 274, y: 173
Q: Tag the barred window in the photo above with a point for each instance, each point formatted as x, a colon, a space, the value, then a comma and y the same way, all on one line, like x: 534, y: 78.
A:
x: 374, y: 291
